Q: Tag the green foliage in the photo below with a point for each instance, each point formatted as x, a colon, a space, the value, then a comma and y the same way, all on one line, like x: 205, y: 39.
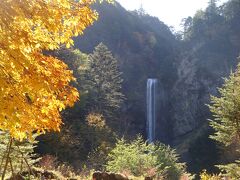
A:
x: 167, y: 159
x: 208, y: 25
x: 140, y: 158
x: 133, y: 157
x: 226, y: 123
x: 20, y: 152
x: 104, y: 82
x: 226, y: 110
x: 231, y: 170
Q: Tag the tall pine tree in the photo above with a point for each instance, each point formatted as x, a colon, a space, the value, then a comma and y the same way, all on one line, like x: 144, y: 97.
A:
x: 226, y: 122
x: 104, y: 83
x: 226, y: 110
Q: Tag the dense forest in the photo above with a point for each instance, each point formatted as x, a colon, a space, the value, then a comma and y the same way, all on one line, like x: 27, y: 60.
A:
x: 47, y: 127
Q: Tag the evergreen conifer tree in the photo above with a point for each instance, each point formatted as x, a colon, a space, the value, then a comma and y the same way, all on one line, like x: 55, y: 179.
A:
x: 226, y: 123
x: 226, y: 110
x: 21, y: 154
x: 104, y: 82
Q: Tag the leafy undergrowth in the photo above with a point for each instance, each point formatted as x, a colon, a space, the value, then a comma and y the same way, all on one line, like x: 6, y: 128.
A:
x: 205, y: 176
x: 140, y: 158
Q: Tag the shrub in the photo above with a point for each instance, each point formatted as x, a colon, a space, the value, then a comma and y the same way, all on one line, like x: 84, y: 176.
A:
x: 205, y: 176
x: 231, y: 170
x: 142, y: 159
x: 167, y: 160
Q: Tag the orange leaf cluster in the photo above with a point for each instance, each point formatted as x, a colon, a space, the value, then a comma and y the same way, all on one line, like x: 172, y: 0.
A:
x: 34, y: 87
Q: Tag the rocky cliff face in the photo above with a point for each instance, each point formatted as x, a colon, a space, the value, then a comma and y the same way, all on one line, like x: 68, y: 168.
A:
x: 200, y: 72
x: 190, y: 94
x: 209, y: 53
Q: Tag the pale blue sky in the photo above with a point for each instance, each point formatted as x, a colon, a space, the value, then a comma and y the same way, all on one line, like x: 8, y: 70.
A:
x: 171, y: 12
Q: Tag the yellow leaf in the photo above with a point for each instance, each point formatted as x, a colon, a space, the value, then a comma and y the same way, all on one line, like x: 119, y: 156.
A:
x: 36, y: 87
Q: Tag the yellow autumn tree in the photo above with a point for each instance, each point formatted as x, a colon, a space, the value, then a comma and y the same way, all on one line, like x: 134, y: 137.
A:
x: 34, y: 87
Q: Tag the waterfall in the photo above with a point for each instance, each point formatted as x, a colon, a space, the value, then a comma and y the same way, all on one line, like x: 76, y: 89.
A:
x: 151, y: 109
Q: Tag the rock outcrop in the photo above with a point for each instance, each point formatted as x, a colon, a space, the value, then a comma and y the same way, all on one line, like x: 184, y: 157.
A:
x: 112, y: 176
x: 108, y: 176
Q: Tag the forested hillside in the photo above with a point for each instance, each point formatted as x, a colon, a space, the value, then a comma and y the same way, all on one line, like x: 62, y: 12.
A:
x: 189, y: 68
x: 74, y: 92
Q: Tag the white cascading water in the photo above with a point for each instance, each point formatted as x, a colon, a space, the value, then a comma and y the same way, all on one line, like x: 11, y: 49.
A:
x: 151, y: 109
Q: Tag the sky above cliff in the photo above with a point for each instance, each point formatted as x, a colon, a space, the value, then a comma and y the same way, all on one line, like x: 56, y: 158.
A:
x: 171, y: 12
